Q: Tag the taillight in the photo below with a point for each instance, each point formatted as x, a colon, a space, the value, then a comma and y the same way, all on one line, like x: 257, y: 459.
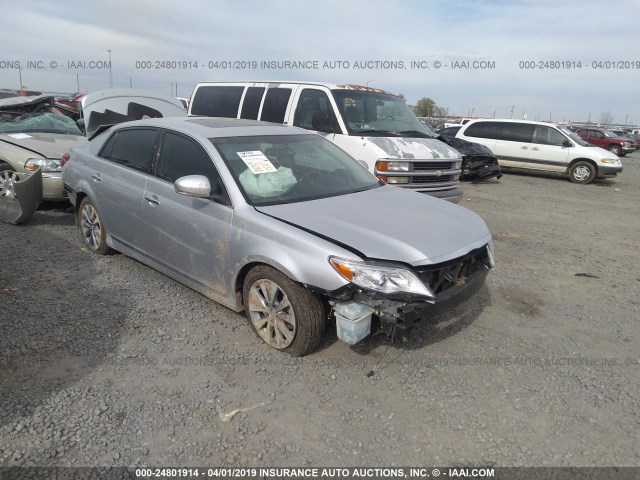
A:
x: 64, y: 159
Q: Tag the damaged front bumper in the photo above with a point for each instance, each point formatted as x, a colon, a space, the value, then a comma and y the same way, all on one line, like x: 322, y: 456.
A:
x: 479, y: 168
x: 478, y: 162
x: 20, y: 197
x: 358, y: 312
x: 405, y: 316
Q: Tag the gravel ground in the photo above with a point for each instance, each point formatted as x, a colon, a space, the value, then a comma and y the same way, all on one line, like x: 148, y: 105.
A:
x: 104, y: 361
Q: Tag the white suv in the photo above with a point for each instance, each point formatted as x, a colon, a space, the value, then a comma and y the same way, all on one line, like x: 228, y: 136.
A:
x: 542, y: 146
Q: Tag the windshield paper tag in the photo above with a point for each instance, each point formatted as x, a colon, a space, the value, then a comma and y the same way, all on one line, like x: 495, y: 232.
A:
x: 19, y: 136
x: 257, y: 162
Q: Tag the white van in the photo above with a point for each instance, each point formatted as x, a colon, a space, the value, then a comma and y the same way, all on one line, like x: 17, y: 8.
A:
x: 542, y: 146
x: 373, y: 126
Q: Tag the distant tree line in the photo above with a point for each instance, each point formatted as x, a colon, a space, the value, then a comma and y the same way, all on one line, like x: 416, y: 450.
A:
x: 427, y: 107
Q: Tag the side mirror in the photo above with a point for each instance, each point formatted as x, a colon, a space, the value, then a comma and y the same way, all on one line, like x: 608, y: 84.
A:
x: 193, y: 186
x: 567, y: 143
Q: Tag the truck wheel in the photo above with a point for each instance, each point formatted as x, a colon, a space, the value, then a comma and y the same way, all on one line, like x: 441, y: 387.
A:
x: 92, y: 228
x: 582, y: 172
x: 285, y: 315
x: 616, y: 150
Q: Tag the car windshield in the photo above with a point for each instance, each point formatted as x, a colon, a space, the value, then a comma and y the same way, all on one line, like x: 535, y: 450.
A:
x: 610, y: 134
x: 374, y: 113
x: 574, y: 136
x: 39, y: 122
x: 429, y: 131
x: 279, y: 169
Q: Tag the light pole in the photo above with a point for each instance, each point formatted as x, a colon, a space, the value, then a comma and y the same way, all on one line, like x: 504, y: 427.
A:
x: 472, y: 110
x: 110, y: 73
x: 20, y: 74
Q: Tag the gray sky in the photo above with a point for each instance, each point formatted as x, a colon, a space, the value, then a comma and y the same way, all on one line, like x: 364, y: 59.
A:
x: 597, y: 41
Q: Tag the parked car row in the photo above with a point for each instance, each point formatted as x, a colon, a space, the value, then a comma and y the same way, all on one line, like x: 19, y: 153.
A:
x: 286, y: 205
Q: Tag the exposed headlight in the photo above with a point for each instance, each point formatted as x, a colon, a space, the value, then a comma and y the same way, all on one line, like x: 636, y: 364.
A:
x: 610, y: 160
x: 383, y: 279
x: 387, y: 166
x: 45, y: 164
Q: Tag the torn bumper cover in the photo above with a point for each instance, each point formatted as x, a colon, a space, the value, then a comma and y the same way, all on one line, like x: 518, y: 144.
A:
x: 478, y: 162
x: 452, y: 282
x: 20, y: 198
x: 410, y: 315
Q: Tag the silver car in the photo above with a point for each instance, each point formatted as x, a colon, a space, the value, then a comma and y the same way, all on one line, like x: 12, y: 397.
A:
x: 275, y: 221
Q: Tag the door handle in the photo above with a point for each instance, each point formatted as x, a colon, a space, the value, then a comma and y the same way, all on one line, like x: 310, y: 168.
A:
x: 524, y: 147
x: 535, y: 148
x: 152, y: 200
x: 96, y: 177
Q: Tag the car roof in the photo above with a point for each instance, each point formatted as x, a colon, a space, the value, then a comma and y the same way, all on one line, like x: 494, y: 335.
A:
x: 211, y: 127
x: 273, y: 83
x: 509, y: 120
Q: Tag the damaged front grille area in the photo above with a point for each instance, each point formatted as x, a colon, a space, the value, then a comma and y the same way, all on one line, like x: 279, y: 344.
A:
x: 454, y: 273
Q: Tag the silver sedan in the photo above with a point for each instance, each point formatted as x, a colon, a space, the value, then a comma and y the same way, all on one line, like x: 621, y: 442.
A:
x: 275, y: 221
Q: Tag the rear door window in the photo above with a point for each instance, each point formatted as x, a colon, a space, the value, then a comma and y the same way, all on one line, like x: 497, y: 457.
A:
x: 131, y: 148
x: 251, y: 104
x: 516, y: 132
x: 217, y: 101
x: 275, y: 105
x: 483, y: 130
x: 513, y: 132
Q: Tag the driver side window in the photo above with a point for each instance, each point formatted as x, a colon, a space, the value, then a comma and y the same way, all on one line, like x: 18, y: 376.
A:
x: 314, y: 111
x: 180, y: 156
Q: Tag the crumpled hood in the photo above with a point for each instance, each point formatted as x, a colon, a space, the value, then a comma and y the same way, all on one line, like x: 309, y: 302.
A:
x: 390, y: 223
x: 466, y: 147
x: 412, y: 148
x: 49, y: 145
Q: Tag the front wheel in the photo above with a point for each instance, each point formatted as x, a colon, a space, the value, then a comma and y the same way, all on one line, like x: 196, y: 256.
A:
x: 285, y: 315
x: 92, y: 228
x: 582, y: 172
x: 616, y: 150
x: 7, y: 177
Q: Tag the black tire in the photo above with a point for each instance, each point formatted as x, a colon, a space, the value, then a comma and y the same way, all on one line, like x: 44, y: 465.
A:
x: 616, y: 150
x: 92, y: 228
x: 264, y: 292
x: 582, y: 172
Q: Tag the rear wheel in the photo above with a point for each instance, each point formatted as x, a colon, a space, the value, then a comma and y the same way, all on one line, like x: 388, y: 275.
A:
x: 582, y: 172
x: 285, y: 315
x: 616, y: 150
x: 92, y: 228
